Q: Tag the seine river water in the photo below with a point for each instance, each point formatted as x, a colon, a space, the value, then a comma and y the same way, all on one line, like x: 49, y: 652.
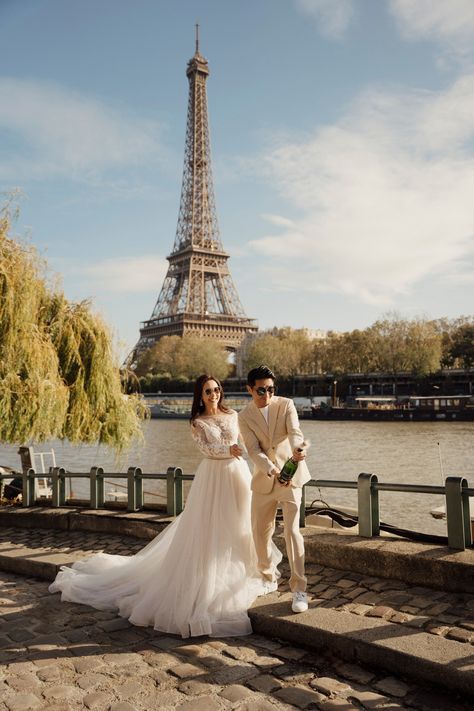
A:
x: 402, y: 452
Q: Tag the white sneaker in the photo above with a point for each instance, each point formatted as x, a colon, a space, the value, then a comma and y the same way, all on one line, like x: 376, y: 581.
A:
x: 268, y: 587
x: 300, y: 602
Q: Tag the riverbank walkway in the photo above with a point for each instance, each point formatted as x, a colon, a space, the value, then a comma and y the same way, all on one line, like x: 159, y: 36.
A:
x: 366, y: 642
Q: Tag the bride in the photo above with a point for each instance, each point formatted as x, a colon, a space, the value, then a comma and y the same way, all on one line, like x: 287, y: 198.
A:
x: 198, y: 576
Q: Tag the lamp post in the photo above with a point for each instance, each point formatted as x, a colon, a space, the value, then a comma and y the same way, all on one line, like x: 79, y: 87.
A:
x: 334, y: 393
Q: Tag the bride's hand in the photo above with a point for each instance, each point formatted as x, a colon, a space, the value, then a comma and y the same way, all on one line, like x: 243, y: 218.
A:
x: 235, y: 450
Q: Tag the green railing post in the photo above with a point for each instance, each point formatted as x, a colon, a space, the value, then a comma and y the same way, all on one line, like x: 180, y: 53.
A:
x: 303, y: 507
x: 134, y: 488
x: 131, y: 498
x: 368, y: 505
x: 59, y: 486
x: 96, y: 480
x: 28, y: 497
x: 171, y: 503
x: 178, y: 489
x: 458, y: 517
x: 138, y: 487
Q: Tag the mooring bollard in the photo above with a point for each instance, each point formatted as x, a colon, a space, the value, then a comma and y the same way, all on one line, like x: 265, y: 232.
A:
x: 368, y: 505
x: 59, y: 486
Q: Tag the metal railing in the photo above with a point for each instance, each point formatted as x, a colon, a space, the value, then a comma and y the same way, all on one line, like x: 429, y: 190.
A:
x: 134, y: 477
x: 456, y: 492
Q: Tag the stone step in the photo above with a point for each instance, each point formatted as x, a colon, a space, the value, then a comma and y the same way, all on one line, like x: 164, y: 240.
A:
x: 40, y: 554
x: 371, y: 641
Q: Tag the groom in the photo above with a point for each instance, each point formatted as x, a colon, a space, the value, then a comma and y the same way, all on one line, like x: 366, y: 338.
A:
x: 271, y: 433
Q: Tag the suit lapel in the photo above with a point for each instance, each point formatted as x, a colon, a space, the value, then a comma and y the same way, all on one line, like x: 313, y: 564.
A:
x: 258, y: 419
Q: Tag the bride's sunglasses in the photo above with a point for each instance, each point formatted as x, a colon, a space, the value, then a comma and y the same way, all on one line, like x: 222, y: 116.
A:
x: 209, y: 391
x: 270, y: 389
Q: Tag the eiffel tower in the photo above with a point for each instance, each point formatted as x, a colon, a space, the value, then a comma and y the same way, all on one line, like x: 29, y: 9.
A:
x: 198, y: 296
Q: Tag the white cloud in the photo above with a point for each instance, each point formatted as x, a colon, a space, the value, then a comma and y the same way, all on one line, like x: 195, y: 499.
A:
x: 277, y: 220
x: 450, y: 22
x: 462, y: 274
x: 332, y: 16
x: 125, y: 274
x: 49, y: 130
x: 384, y: 196
x: 435, y: 18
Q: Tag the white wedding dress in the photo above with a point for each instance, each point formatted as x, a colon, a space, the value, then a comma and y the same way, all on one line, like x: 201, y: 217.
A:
x: 199, y: 575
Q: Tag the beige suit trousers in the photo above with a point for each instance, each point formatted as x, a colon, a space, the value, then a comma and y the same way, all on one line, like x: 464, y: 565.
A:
x: 264, y: 507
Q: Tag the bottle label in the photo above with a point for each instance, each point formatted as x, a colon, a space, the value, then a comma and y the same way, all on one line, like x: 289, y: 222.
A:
x: 288, y: 471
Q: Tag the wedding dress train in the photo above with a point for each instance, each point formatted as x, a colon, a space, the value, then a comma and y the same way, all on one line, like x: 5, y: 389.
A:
x: 199, y: 576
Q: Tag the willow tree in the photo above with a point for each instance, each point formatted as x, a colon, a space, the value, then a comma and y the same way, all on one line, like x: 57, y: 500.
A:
x: 59, y: 377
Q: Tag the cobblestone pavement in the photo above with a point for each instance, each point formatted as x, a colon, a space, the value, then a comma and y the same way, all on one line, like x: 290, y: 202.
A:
x: 446, y: 614
x: 61, y: 656
x: 80, y: 542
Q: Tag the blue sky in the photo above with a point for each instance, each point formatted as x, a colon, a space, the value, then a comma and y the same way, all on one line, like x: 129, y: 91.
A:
x: 342, y: 144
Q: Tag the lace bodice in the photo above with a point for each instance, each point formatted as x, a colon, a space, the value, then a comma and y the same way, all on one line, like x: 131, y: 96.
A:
x: 214, y: 434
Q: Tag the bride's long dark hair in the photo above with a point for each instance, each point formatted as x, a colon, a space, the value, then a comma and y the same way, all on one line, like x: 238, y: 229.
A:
x: 198, y: 405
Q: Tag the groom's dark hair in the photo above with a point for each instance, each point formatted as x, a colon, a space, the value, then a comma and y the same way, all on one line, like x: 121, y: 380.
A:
x: 261, y: 372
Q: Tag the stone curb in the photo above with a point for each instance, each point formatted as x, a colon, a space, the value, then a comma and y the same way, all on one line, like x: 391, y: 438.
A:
x: 369, y: 641
x: 117, y: 522
x: 27, y: 562
x: 386, y: 557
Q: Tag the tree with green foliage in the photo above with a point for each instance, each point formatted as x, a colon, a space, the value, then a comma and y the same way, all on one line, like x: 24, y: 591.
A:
x: 424, y: 345
x: 462, y: 349
x: 184, y: 357
x: 457, y: 341
x: 399, y: 345
x: 391, y: 345
x: 286, y: 351
x: 59, y: 376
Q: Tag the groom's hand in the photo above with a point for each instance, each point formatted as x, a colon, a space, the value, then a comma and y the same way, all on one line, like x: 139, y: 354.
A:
x: 275, y: 473
x: 298, y: 456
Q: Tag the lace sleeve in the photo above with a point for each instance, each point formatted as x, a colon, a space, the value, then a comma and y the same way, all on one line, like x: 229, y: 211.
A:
x: 216, y: 449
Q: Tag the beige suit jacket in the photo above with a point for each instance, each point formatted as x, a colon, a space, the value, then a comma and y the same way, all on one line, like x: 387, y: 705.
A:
x: 269, y: 446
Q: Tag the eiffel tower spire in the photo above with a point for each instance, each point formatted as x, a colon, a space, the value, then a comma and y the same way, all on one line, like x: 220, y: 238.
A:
x: 198, y: 295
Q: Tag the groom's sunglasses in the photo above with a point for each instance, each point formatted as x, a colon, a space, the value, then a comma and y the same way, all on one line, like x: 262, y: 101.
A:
x: 270, y: 389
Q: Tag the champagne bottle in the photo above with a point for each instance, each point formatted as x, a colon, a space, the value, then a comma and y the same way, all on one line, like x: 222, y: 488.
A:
x: 289, y: 468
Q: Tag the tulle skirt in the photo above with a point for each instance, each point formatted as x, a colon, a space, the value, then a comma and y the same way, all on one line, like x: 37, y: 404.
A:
x: 197, y: 577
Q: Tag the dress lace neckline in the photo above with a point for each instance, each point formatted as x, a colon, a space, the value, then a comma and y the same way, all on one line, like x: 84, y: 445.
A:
x: 218, y: 414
